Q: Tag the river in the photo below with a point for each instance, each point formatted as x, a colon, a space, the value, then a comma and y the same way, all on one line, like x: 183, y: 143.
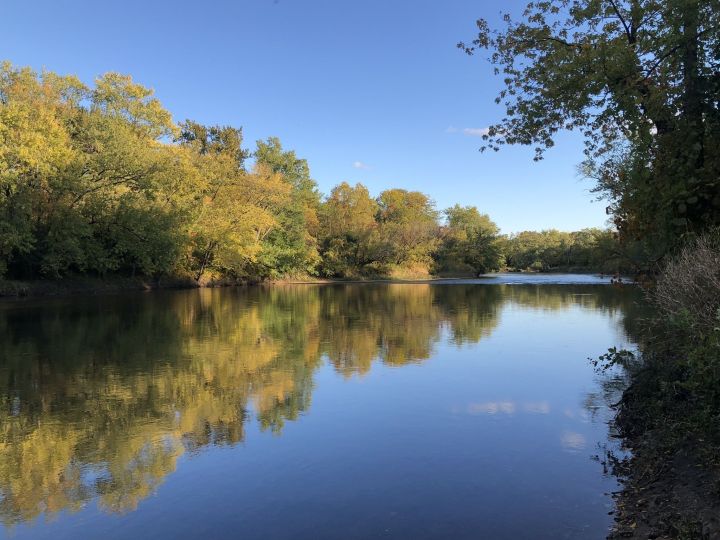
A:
x: 460, y: 409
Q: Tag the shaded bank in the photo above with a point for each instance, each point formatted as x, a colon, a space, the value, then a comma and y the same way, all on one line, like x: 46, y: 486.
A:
x: 669, y: 414
x: 87, y: 285
x: 671, y: 477
x: 69, y: 286
x: 668, y: 492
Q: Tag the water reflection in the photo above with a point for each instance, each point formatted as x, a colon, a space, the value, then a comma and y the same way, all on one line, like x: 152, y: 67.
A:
x: 99, y: 397
x: 573, y: 441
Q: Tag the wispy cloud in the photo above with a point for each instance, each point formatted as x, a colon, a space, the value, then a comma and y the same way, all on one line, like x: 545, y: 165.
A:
x: 476, y: 132
x: 360, y: 165
x: 469, y: 131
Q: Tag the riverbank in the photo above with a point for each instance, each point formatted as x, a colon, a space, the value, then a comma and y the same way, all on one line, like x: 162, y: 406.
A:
x: 669, y: 415
x: 88, y: 285
x: 327, y: 281
x: 671, y: 479
x: 667, y: 493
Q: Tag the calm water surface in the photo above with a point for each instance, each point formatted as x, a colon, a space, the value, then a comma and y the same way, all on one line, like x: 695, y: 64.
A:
x: 462, y: 410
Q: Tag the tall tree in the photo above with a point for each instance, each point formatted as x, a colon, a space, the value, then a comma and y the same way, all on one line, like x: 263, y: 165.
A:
x: 408, y: 225
x: 640, y: 79
x: 78, y: 171
x: 292, y: 247
x: 470, y: 241
x: 235, y: 210
x: 347, y: 229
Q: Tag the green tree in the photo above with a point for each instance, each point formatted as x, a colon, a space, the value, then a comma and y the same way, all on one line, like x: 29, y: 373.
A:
x: 84, y: 176
x: 639, y: 78
x: 408, y: 227
x: 470, y: 242
x: 235, y: 210
x: 589, y: 249
x: 347, y: 229
x: 292, y: 247
x: 35, y: 147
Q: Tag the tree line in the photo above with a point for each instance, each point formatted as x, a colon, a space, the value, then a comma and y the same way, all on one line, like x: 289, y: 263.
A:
x: 99, y: 180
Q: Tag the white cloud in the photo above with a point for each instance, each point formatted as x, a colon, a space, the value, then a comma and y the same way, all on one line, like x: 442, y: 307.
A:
x: 360, y: 165
x: 476, y: 132
x: 451, y: 129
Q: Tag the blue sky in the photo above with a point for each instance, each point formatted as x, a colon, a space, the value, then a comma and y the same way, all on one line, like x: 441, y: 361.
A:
x: 366, y: 90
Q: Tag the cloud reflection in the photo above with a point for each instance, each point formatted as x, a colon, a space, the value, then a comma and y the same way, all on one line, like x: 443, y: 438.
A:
x: 508, y: 407
x: 573, y: 441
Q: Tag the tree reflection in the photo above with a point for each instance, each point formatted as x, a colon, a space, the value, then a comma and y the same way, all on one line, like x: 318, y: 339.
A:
x: 99, y: 397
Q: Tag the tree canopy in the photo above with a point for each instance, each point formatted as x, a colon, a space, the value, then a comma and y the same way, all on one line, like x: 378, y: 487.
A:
x: 639, y: 79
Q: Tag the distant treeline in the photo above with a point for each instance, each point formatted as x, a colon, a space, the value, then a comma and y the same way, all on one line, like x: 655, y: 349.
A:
x: 98, y: 180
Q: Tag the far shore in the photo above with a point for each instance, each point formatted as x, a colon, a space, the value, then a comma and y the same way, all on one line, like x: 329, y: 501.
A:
x: 93, y: 286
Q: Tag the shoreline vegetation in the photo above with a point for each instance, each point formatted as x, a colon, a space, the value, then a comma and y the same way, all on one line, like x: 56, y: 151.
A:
x: 118, y: 284
x: 99, y: 182
x: 669, y: 414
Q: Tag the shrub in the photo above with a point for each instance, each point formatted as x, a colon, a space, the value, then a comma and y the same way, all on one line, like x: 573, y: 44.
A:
x: 689, y: 286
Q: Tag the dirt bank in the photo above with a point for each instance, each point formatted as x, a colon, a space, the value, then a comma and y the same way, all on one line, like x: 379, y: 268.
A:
x: 667, y: 496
